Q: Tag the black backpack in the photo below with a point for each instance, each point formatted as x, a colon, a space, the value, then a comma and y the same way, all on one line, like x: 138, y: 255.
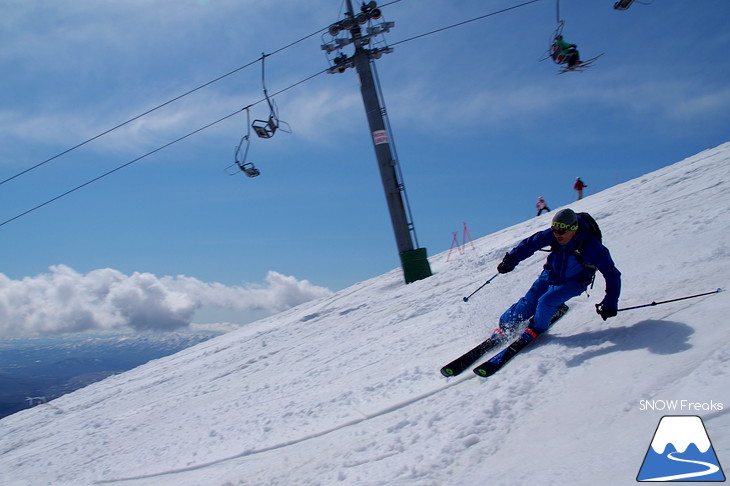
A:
x: 593, y: 228
x: 595, y: 232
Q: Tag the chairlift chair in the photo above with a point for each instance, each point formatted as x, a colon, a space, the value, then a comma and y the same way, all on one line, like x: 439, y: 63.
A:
x: 249, y: 169
x: 265, y: 128
x: 241, y: 154
x: 623, y: 4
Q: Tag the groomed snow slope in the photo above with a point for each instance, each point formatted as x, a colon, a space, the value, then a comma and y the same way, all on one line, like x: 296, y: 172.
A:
x: 346, y: 390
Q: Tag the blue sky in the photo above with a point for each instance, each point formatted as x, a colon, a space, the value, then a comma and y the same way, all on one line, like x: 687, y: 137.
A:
x: 482, y: 128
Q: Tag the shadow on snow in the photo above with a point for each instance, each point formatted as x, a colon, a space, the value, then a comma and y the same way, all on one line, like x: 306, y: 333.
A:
x: 657, y: 336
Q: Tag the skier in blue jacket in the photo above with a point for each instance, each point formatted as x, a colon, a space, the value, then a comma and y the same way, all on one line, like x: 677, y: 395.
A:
x: 566, y: 274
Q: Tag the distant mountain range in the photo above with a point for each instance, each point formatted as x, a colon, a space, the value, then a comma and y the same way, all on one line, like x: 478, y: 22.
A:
x: 34, y: 371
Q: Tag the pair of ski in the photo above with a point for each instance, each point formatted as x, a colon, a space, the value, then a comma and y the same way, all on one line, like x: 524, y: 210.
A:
x: 580, y: 67
x: 496, y: 362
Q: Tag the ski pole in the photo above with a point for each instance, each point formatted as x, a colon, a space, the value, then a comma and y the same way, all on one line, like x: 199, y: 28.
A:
x: 466, y: 299
x: 598, y: 306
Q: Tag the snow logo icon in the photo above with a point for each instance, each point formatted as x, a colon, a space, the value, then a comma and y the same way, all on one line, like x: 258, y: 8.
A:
x: 681, y: 451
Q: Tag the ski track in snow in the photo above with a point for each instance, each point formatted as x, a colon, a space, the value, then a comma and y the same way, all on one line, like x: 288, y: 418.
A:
x: 253, y: 452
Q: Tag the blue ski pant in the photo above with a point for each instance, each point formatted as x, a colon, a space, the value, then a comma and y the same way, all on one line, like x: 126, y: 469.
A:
x: 540, y: 303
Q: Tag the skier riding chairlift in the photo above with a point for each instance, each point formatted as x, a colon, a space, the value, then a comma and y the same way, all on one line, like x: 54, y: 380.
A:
x: 563, y: 52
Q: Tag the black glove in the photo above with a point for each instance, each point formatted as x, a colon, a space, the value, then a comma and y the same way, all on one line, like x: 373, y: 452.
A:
x: 507, y: 264
x: 605, y: 312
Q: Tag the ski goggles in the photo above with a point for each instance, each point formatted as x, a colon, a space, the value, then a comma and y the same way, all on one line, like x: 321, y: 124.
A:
x: 560, y: 228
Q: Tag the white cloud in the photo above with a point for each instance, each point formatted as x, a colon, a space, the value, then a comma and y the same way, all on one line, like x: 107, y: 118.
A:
x: 65, y: 301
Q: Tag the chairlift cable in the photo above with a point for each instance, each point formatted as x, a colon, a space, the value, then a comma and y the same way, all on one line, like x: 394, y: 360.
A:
x: 162, y: 105
x: 302, y: 81
x: 459, y: 24
x: 389, y: 3
x: 194, y: 132
x: 219, y: 78
x: 70, y: 191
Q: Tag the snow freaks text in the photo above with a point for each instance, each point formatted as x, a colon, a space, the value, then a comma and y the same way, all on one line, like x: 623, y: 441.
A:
x: 680, y: 406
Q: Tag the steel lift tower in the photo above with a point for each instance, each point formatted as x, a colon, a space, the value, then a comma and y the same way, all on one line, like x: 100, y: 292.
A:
x: 414, y: 260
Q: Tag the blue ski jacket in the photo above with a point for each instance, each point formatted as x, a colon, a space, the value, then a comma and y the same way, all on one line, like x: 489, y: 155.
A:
x: 566, y: 263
